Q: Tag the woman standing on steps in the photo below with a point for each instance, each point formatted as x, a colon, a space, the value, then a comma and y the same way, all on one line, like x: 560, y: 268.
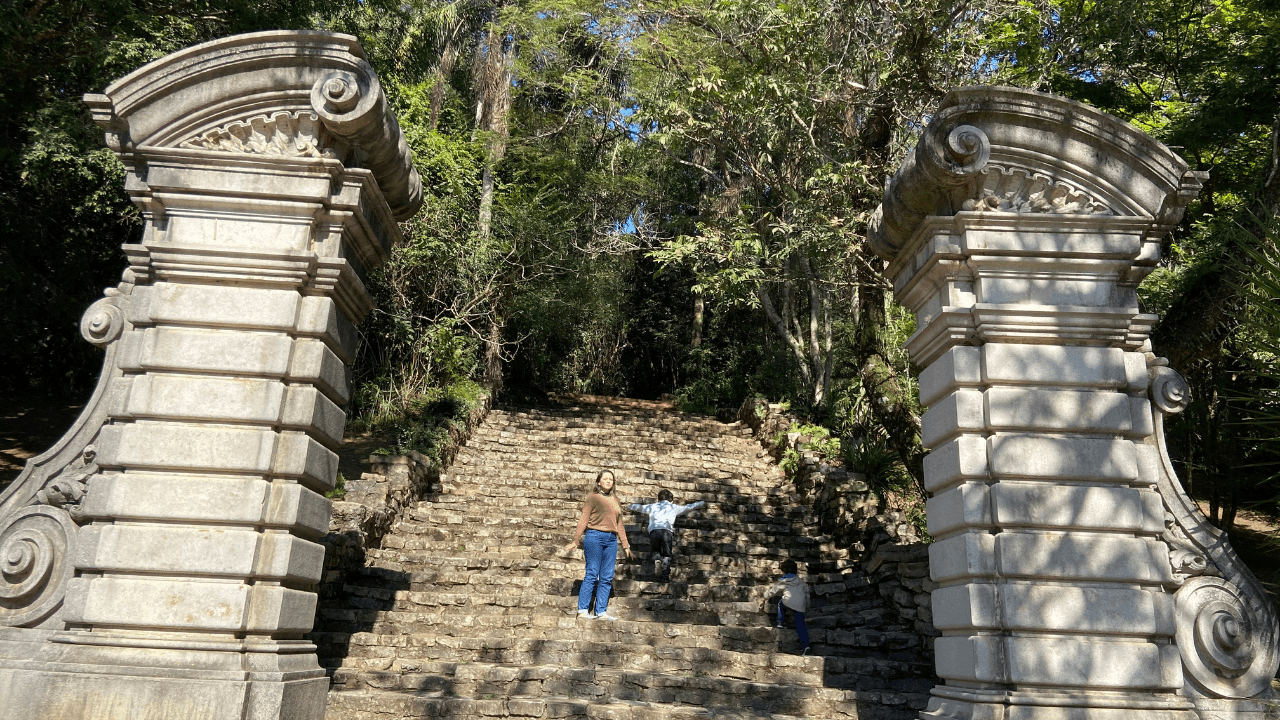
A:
x: 601, y: 530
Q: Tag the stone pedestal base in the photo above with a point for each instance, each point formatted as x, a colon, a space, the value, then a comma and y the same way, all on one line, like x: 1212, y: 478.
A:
x: 43, y: 676
x: 951, y: 703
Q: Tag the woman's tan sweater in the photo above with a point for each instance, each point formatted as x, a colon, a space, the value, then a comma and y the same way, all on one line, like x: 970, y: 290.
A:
x: 602, y: 512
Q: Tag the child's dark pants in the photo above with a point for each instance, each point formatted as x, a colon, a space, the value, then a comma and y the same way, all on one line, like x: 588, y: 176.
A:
x: 660, y: 543
x: 801, y: 629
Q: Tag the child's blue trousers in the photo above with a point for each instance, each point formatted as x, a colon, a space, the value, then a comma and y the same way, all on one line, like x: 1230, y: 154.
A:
x: 801, y: 629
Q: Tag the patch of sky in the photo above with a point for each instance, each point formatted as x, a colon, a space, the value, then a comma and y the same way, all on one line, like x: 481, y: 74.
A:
x: 986, y: 65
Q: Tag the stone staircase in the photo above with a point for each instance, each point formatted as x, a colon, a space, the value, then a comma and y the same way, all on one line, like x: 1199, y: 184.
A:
x: 468, y: 610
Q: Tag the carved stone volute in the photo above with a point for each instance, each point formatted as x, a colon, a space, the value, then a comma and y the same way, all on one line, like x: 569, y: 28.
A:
x: 1227, y: 627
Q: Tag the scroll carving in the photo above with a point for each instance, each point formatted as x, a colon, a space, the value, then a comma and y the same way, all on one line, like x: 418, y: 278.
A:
x: 104, y: 320
x: 944, y: 158
x: 352, y: 106
x: 36, y: 549
x: 1225, y: 646
x: 1227, y: 629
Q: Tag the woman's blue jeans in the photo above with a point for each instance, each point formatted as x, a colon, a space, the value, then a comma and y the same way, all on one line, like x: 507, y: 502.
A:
x: 601, y: 549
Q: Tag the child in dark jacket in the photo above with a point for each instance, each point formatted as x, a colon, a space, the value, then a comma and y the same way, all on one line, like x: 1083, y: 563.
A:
x: 795, y: 597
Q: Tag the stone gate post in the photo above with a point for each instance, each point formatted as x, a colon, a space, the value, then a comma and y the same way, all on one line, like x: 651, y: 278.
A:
x: 1077, y: 580
x: 160, y: 561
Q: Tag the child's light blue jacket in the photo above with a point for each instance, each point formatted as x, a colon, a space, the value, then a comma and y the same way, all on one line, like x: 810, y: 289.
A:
x: 662, y: 515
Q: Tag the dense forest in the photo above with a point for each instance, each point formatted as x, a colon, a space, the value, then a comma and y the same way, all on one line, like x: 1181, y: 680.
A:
x: 671, y: 196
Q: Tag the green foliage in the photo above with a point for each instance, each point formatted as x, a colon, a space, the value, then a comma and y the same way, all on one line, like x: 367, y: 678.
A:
x: 339, y: 490
x: 784, y: 115
x: 813, y: 438
x: 421, y: 423
x: 1260, y: 332
x: 880, y: 463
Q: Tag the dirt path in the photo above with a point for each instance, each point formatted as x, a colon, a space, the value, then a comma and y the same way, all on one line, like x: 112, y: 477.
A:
x: 1256, y: 539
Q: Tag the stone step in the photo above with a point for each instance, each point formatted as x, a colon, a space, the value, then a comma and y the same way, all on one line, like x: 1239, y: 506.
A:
x: 633, y: 461
x: 685, y: 568
x: 587, y: 426
x: 487, y: 509
x: 444, y: 638
x: 546, y: 529
x: 573, y: 441
x: 500, y: 582
x: 536, y: 478
x: 691, y: 547
x: 500, y: 684
x: 687, y: 541
x: 589, y: 434
x: 732, y: 569
x: 391, y: 705
x: 621, y: 643
x: 491, y: 609
x: 337, y: 647
x: 483, y: 483
x: 586, y: 417
x: 854, y: 601
x: 741, y: 631
x: 460, y: 658
x: 441, y: 617
x: 423, y: 628
x: 541, y: 480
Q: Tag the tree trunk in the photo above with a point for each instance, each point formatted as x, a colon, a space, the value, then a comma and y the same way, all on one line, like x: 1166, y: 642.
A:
x: 697, y: 321
x: 492, y: 104
x: 448, y: 57
x: 485, y: 220
x: 1267, y: 206
x: 493, y: 359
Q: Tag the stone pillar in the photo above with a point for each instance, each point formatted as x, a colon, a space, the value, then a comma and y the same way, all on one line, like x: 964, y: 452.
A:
x: 160, y: 561
x: 1017, y: 232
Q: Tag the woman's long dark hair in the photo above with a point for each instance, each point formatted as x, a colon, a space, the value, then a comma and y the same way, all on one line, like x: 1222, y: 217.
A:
x: 613, y: 491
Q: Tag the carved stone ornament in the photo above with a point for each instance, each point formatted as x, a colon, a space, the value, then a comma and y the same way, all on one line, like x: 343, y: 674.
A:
x: 36, y: 548
x: 103, y: 321
x: 1227, y: 628
x: 1184, y: 558
x: 69, y: 487
x: 299, y: 134
x: 1225, y: 647
x: 1019, y: 190
x: 332, y: 102
x: 976, y: 155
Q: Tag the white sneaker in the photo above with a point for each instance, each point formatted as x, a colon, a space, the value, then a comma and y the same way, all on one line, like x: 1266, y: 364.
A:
x: 606, y: 616
x: 585, y: 614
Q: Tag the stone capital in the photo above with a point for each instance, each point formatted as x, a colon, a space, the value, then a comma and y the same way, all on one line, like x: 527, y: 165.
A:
x: 1009, y: 152
x: 266, y: 95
